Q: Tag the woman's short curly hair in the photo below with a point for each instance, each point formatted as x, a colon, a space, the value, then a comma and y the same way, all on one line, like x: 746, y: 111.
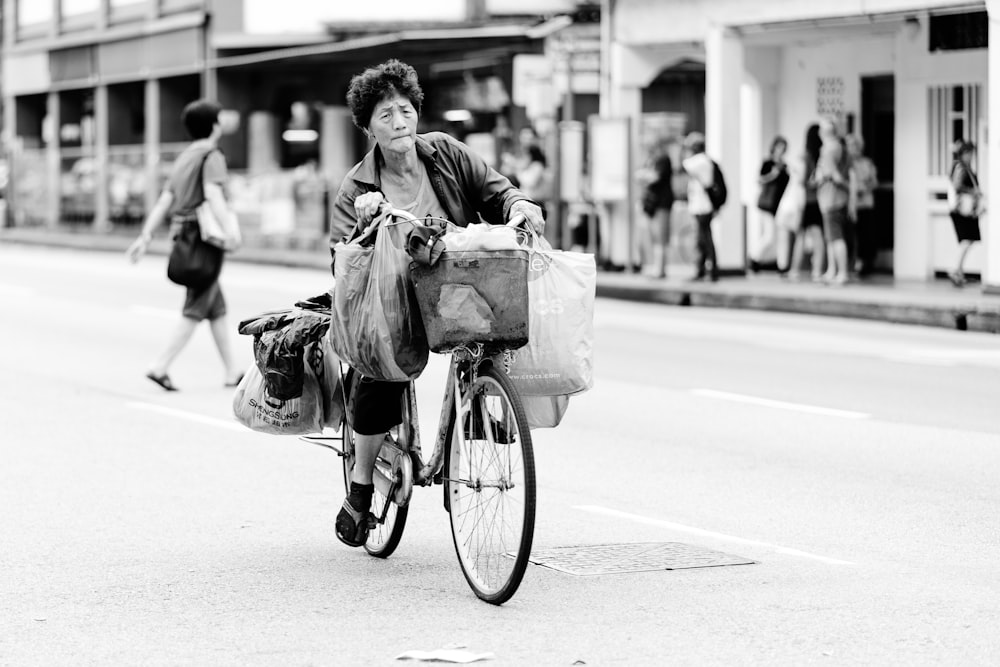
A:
x: 376, y: 83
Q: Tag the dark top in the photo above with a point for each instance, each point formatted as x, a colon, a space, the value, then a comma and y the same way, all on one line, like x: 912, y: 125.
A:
x: 468, y: 189
x: 659, y: 193
x: 772, y: 190
x: 188, y: 176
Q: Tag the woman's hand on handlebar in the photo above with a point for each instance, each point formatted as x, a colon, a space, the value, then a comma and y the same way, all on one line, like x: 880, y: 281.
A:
x: 368, y: 206
x: 531, y: 212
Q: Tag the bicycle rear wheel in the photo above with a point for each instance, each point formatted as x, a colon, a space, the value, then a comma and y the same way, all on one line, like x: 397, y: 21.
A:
x: 491, y: 487
x: 385, y: 536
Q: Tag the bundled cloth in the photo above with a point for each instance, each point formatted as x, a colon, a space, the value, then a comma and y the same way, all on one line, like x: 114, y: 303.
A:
x: 294, y: 386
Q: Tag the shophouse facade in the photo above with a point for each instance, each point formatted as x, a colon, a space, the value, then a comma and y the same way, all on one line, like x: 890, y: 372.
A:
x: 93, y: 90
x: 911, y: 76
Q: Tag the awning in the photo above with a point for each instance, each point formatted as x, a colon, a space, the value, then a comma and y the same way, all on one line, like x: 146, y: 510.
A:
x: 357, y: 46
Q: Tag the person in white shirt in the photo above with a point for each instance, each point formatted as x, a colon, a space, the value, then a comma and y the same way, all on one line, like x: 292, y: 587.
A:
x: 701, y: 172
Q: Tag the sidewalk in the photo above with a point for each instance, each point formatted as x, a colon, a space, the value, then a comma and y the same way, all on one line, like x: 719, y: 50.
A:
x: 935, y: 303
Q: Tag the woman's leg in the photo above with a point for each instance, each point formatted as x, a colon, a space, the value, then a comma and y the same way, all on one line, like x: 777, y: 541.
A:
x: 840, y: 255
x: 660, y: 236
x: 220, y: 334
x: 818, y: 251
x: 701, y: 252
x: 178, y: 339
x: 705, y: 222
x: 366, y: 449
x: 958, y: 275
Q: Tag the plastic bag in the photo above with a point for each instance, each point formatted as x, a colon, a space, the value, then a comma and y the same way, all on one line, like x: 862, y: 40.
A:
x: 790, y: 208
x: 544, y: 411
x: 481, y: 236
x: 559, y: 357
x: 376, y: 326
x: 294, y: 386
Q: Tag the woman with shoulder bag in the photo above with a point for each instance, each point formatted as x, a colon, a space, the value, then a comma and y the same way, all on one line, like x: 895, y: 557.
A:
x: 198, y: 176
x: 966, y: 204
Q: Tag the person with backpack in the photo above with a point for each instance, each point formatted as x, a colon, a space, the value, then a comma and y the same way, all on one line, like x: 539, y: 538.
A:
x: 706, y: 195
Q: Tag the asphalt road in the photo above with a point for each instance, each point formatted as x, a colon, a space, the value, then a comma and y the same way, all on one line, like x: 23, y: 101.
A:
x: 855, y: 463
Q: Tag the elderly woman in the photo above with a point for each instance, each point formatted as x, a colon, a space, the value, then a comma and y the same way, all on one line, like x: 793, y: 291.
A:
x: 424, y: 174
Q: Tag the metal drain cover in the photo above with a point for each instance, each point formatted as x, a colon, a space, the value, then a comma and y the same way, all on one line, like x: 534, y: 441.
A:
x: 636, y: 557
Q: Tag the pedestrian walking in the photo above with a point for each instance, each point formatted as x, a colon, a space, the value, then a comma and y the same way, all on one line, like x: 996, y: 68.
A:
x: 198, y: 175
x: 657, y: 202
x: 810, y: 231
x: 965, y: 204
x: 772, y: 182
x: 704, y: 175
x: 861, y: 208
x: 832, y: 180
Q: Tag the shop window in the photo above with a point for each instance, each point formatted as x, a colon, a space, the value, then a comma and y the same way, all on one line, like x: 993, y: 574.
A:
x: 953, y: 32
x: 954, y: 115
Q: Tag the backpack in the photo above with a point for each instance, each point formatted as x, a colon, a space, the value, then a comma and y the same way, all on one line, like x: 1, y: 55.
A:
x: 717, y: 191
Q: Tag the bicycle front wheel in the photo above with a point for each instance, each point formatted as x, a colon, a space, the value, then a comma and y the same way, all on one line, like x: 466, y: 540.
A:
x: 491, y: 486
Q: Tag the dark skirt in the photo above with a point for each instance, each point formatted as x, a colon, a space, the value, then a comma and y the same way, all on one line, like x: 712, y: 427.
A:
x: 811, y: 215
x: 966, y: 227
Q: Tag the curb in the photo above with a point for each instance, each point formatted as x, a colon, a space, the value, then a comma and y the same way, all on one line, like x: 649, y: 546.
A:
x: 980, y: 315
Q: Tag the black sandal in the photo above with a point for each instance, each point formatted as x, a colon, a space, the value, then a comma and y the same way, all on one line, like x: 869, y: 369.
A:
x: 352, y: 525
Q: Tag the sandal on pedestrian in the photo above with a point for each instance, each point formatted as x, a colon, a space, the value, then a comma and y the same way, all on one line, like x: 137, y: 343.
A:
x: 957, y: 279
x: 162, y: 380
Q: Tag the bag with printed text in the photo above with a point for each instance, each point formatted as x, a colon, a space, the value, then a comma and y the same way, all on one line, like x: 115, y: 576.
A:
x: 559, y: 357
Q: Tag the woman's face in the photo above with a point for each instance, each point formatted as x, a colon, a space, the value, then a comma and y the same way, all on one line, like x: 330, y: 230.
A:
x: 967, y: 156
x: 779, y: 150
x: 394, y: 124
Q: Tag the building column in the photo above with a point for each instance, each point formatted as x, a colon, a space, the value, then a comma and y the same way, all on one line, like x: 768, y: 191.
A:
x: 102, y: 222
x: 724, y: 69
x: 53, y: 172
x: 152, y: 141
x: 990, y: 223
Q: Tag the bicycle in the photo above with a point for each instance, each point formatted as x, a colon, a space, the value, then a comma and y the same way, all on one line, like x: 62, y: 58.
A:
x: 482, y: 457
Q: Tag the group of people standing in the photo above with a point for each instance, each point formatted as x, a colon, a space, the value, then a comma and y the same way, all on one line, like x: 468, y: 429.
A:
x: 826, y: 200
x: 704, y: 183
x: 822, y: 202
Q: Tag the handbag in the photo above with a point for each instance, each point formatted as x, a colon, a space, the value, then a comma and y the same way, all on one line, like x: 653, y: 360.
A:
x: 192, y: 262
x: 224, y: 233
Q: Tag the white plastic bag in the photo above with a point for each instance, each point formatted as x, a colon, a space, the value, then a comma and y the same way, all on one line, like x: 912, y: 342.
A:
x: 790, y: 208
x: 544, y: 411
x: 559, y: 357
x: 376, y: 326
x: 481, y: 236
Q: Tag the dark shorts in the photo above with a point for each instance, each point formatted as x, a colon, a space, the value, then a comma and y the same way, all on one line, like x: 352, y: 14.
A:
x: 966, y: 228
x: 834, y: 224
x: 378, y: 406
x: 205, y: 304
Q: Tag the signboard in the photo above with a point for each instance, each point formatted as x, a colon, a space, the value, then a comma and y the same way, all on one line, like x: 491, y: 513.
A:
x: 609, y: 158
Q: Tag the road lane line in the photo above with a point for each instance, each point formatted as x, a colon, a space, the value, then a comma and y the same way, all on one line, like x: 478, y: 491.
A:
x: 783, y: 405
x: 190, y: 416
x: 596, y: 509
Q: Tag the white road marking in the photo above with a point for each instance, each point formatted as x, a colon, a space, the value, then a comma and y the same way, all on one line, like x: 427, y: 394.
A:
x: 190, y: 416
x: 783, y: 405
x: 154, y: 312
x: 596, y: 509
x: 15, y: 290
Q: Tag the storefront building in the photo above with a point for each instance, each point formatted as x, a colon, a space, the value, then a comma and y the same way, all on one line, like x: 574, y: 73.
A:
x: 910, y: 76
x: 93, y: 90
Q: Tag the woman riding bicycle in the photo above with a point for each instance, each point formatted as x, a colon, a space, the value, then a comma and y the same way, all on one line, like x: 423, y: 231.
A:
x: 429, y: 174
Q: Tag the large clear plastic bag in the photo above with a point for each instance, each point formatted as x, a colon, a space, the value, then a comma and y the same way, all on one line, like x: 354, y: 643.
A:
x: 559, y: 357
x: 376, y: 327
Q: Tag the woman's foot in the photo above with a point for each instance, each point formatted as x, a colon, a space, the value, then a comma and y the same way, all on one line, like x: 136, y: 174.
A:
x: 839, y: 280
x: 957, y: 278
x: 355, y: 518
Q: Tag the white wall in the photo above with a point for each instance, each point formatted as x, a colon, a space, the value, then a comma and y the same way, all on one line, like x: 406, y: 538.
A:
x: 269, y: 17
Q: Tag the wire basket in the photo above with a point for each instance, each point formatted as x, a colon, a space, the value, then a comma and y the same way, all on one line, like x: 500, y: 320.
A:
x: 474, y: 297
